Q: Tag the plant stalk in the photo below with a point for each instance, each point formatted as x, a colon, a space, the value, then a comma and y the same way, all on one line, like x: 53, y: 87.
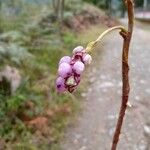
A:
x: 126, y: 34
x: 92, y: 44
x: 125, y: 72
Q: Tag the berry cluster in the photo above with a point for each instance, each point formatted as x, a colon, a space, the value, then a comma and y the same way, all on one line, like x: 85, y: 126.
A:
x: 70, y: 69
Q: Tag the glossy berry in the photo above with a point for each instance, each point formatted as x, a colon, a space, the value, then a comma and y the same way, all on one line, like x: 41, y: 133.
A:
x: 65, y: 59
x: 60, y: 84
x: 78, y: 67
x: 87, y: 59
x: 71, y: 68
x: 78, y: 49
x: 64, y: 70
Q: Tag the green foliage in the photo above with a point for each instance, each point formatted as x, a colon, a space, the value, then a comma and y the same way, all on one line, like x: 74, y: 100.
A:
x: 102, y: 3
x: 118, y: 4
x: 74, y: 6
x: 13, y: 36
x: 13, y: 53
x: 36, y: 54
x: 69, y: 39
x: 15, y: 102
x: 33, y: 45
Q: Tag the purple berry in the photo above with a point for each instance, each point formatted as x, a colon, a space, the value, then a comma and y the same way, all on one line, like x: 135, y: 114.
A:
x: 87, y: 59
x: 78, y: 49
x: 78, y: 67
x: 70, y: 69
x: 60, y: 84
x: 65, y: 59
x: 64, y: 70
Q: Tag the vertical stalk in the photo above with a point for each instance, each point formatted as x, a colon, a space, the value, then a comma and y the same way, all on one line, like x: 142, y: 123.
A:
x: 125, y: 72
x: 0, y: 16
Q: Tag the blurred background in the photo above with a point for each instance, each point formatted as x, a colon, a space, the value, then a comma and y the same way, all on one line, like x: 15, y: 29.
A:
x: 34, y: 35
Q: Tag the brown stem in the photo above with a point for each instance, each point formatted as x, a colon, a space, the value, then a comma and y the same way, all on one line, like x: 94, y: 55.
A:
x: 125, y: 72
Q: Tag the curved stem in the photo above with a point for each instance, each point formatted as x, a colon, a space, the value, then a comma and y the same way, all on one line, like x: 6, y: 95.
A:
x: 92, y: 44
x: 110, y: 30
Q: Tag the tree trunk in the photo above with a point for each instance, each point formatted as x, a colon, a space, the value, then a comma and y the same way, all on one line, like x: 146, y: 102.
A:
x: 109, y: 5
x: 56, y: 5
x: 0, y: 16
x: 145, y: 5
x: 62, y: 10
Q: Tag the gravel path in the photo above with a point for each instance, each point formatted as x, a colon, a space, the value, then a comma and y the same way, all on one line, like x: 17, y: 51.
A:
x: 94, y: 127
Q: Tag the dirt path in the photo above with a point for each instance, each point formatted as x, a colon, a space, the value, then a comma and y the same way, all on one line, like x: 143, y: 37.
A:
x: 94, y: 128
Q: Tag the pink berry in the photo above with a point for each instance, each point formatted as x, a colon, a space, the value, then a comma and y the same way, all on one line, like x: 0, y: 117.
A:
x: 78, y: 67
x: 87, y: 59
x: 60, y: 84
x: 65, y: 59
x: 64, y: 70
x: 78, y: 49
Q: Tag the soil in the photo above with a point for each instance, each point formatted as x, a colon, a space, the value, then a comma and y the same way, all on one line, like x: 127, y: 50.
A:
x: 94, y: 126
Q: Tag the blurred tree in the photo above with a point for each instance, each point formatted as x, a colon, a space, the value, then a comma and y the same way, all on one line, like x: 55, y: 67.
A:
x: 109, y: 7
x: 118, y: 5
x: 100, y: 3
x: 122, y: 8
x: 138, y: 3
x: 145, y: 3
x: 58, y: 7
x: 142, y: 4
x: 62, y: 10
x: 0, y: 16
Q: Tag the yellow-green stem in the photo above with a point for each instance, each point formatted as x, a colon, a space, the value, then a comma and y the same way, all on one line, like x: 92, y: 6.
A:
x: 110, y: 30
x: 92, y: 44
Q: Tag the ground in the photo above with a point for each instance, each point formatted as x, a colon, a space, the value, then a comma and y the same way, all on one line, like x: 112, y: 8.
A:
x: 94, y: 126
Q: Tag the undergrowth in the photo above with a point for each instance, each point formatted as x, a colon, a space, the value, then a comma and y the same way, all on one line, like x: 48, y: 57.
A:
x: 35, y: 116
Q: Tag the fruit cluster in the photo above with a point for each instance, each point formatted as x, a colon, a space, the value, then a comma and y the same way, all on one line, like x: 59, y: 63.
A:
x: 71, y: 68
